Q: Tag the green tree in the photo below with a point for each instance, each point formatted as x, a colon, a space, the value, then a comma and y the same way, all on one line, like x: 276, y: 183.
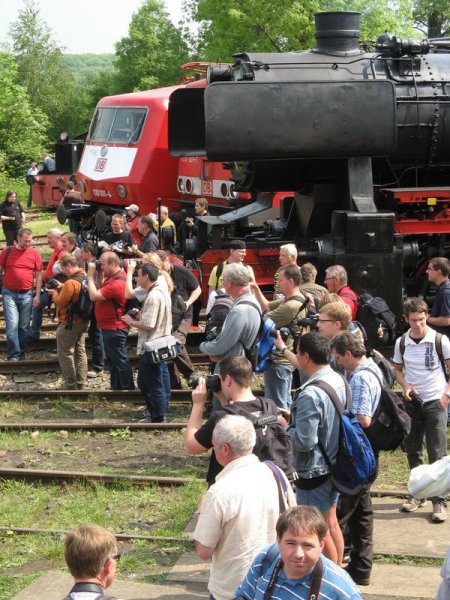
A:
x: 229, y: 26
x: 433, y: 17
x: 22, y: 127
x: 49, y: 83
x: 151, y: 54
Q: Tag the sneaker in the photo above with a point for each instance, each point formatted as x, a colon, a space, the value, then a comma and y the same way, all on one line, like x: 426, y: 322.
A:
x: 413, y: 504
x: 94, y: 374
x: 439, y: 512
x: 144, y: 416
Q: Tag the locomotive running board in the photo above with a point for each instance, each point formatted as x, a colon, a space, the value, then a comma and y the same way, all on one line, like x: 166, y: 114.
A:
x: 263, y: 202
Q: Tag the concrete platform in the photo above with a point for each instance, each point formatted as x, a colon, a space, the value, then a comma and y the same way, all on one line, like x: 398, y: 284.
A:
x: 54, y: 586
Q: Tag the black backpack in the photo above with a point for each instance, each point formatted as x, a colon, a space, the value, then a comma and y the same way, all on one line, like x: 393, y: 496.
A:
x: 217, y: 315
x: 382, y: 363
x: 391, y: 423
x: 377, y: 319
x: 272, y: 440
x: 437, y: 345
x: 84, y: 306
x: 178, y: 308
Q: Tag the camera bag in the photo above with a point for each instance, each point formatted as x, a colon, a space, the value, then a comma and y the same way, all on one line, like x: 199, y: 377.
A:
x: 162, y: 349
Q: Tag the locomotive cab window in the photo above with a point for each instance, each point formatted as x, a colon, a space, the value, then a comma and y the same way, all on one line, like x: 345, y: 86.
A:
x: 118, y: 125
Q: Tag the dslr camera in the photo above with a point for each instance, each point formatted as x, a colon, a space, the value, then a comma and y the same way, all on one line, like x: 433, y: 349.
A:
x: 310, y: 321
x: 52, y: 284
x: 213, y: 383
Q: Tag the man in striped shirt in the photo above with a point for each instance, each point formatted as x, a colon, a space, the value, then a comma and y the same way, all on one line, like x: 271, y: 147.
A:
x: 294, y: 568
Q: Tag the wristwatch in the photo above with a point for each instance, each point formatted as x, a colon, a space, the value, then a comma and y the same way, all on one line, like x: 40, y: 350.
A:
x: 285, y: 348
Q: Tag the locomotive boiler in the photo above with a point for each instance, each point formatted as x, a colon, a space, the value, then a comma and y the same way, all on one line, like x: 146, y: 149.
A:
x: 363, y: 137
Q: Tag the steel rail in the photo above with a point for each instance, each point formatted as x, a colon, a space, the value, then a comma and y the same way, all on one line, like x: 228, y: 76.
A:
x: 90, y: 426
x: 49, y: 365
x: 106, y: 478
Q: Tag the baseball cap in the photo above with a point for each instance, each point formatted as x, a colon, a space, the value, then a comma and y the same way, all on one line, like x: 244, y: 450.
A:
x: 133, y: 207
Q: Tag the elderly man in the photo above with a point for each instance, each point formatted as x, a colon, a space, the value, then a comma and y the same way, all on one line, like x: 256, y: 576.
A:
x: 309, y: 285
x: 21, y: 266
x: 149, y: 240
x: 336, y: 281
x: 54, y: 242
x: 91, y: 555
x: 72, y: 329
x: 288, y: 256
x: 239, y: 512
x: 242, y: 324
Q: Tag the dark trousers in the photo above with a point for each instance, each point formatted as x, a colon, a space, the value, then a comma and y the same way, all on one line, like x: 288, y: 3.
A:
x: 154, y: 383
x: 356, y: 512
x: 182, y: 364
x: 430, y: 425
x: 96, y: 340
x: 10, y: 236
x: 115, y: 344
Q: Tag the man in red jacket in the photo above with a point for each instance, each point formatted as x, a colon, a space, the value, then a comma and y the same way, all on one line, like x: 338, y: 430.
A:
x: 21, y: 266
x: 336, y: 282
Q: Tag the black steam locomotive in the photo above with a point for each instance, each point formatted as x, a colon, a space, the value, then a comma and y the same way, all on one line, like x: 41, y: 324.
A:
x: 362, y: 137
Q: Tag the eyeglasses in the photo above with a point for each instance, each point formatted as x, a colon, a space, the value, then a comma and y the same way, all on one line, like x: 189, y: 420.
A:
x: 326, y: 278
x: 116, y: 557
x: 327, y: 321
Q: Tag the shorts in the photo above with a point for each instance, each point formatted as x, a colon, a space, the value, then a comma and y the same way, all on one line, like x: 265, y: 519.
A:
x: 322, y: 497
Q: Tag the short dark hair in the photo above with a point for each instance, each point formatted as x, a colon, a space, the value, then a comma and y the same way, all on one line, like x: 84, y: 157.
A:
x: 309, y: 272
x: 292, y: 272
x: 306, y: 518
x: 68, y: 259
x: 239, y: 368
x: 24, y: 231
x: 89, y: 247
x: 317, y: 346
x: 414, y: 305
x: 442, y: 264
x: 146, y: 220
x: 150, y: 270
x: 346, y: 340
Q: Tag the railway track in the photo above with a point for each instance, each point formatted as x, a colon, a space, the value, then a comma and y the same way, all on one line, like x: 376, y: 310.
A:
x: 89, y: 426
x: 49, y: 365
x: 124, y: 396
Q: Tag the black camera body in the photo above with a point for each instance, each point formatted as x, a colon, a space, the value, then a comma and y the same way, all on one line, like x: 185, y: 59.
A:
x: 213, y: 383
x: 310, y: 321
x: 52, y: 284
x: 284, y: 333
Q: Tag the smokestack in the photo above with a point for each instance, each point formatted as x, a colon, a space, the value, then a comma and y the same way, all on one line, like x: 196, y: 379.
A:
x: 337, y: 33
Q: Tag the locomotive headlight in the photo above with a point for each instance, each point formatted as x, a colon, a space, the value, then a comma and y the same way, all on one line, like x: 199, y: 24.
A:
x: 122, y: 191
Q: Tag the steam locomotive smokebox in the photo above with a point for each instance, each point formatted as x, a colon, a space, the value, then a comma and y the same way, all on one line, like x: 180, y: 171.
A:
x: 364, y: 232
x: 67, y: 156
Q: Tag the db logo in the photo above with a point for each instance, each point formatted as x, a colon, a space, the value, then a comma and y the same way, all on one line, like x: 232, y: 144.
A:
x: 206, y: 187
x: 100, y: 165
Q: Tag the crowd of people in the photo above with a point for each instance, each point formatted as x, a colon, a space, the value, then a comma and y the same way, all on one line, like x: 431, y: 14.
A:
x: 249, y: 503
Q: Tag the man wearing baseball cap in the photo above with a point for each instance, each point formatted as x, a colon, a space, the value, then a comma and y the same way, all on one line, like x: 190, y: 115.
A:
x: 237, y: 250
x: 132, y: 221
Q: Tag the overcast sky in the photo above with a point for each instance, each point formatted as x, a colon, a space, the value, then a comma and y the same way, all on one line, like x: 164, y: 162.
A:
x: 83, y: 25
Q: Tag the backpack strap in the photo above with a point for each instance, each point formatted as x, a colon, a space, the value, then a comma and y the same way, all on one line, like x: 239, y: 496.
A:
x: 281, y: 485
x: 70, y: 309
x: 7, y: 252
x: 219, y: 271
x: 374, y: 374
x: 260, y: 325
x: 402, y: 346
x: 438, y: 346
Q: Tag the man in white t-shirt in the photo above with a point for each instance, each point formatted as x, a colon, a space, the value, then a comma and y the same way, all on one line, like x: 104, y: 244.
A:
x: 419, y: 370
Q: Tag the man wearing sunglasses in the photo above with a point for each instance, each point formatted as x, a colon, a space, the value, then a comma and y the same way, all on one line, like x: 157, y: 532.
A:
x: 91, y: 555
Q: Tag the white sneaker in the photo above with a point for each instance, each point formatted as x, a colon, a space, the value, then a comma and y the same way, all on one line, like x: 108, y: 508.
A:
x: 94, y: 374
x: 439, y: 512
x: 413, y: 504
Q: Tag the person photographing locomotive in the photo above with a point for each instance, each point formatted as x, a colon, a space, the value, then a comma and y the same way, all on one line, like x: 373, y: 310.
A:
x: 232, y: 385
x: 285, y: 313
x: 336, y: 280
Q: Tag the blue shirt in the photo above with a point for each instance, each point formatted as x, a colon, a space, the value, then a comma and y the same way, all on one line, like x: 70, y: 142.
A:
x: 365, y: 388
x: 336, y: 583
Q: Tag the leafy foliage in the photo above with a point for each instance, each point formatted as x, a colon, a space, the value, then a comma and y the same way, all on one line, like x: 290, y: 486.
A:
x: 433, y: 17
x: 84, y: 66
x: 22, y: 127
x: 152, y: 52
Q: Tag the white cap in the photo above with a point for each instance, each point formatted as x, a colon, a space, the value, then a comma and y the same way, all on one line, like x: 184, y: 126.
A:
x: 133, y: 207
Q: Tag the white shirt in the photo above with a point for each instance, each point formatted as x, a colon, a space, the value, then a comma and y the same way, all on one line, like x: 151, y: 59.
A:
x: 423, y: 368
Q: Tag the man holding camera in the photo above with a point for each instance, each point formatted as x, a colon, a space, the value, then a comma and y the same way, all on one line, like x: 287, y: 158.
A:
x: 424, y: 375
x: 153, y: 321
x: 72, y: 329
x: 284, y: 313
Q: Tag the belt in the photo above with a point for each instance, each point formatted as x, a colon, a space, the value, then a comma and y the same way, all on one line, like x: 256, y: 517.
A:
x: 19, y: 291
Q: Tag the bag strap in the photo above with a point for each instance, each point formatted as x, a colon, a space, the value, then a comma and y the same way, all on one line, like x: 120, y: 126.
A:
x: 437, y: 345
x: 316, y: 581
x: 402, y: 346
x: 260, y: 325
x: 219, y: 272
x: 281, y: 485
x: 373, y: 373
x: 8, y: 250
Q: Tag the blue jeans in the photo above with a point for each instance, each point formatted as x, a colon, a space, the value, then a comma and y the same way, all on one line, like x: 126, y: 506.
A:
x: 154, y: 383
x: 115, y: 344
x: 277, y: 384
x: 37, y: 314
x: 96, y: 340
x: 322, y: 497
x: 17, y: 308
